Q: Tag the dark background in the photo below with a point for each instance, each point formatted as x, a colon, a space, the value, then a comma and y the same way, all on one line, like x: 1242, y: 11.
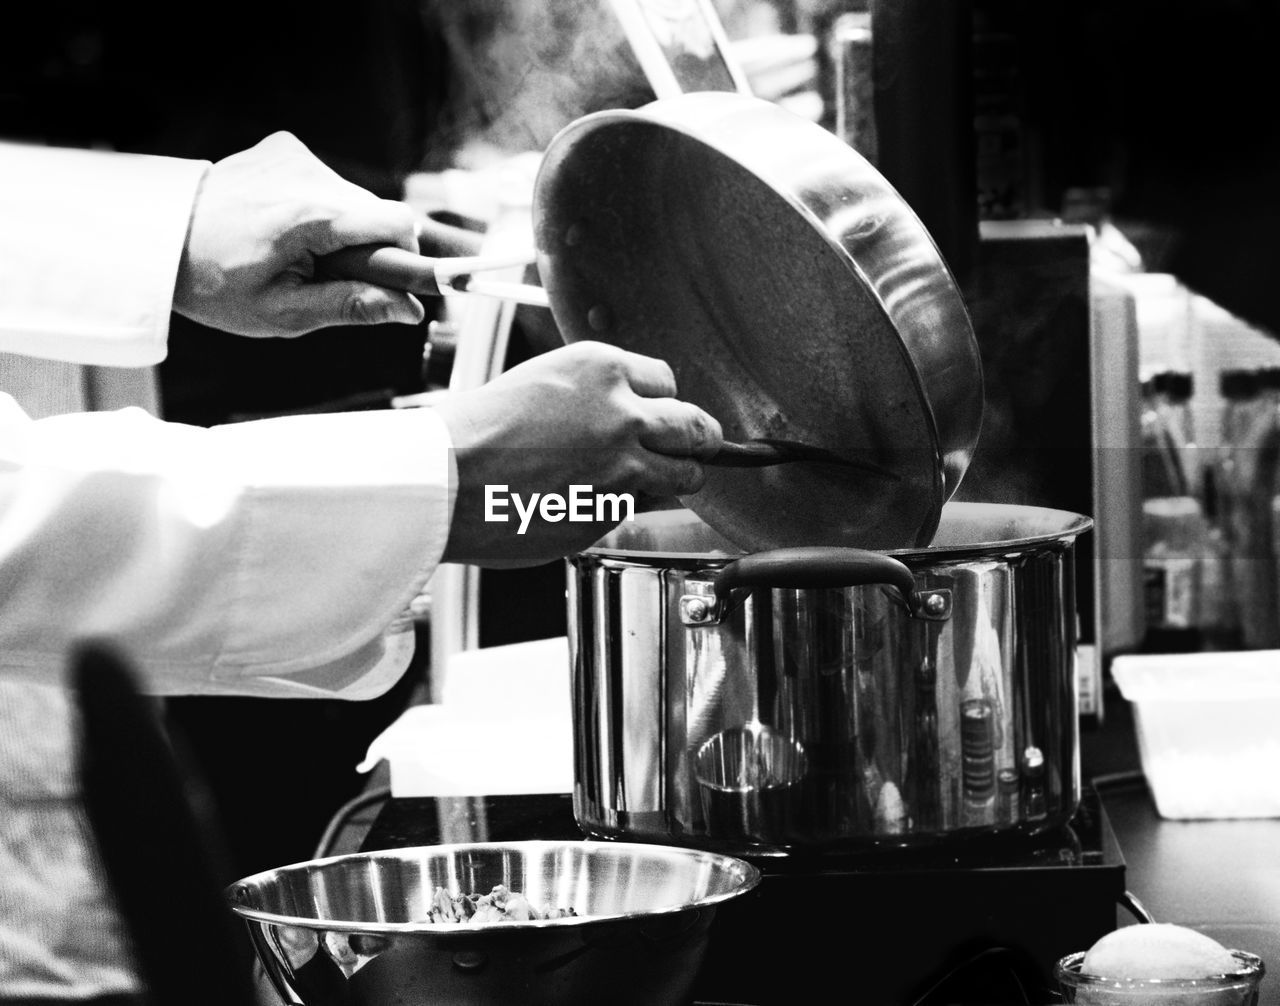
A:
x: 1167, y: 104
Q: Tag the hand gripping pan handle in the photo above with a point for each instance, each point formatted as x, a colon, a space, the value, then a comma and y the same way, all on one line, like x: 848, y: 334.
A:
x: 399, y: 269
x: 450, y: 271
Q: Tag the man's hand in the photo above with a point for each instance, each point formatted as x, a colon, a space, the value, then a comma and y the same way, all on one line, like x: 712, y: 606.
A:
x: 587, y: 414
x: 260, y: 218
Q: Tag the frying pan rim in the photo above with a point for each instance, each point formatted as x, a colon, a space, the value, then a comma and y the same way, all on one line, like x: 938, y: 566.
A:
x: 951, y: 454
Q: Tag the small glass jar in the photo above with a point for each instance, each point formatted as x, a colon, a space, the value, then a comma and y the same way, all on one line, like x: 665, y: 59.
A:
x: 1239, y: 988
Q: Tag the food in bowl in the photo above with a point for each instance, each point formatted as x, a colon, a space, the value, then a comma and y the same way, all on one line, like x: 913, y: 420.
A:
x: 1160, y: 964
x: 499, y: 905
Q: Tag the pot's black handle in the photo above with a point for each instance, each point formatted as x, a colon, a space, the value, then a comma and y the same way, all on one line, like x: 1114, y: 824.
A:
x: 818, y: 566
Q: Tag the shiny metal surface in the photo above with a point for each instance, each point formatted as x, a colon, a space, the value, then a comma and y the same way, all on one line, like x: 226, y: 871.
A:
x: 910, y: 730
x: 793, y: 292
x: 349, y: 929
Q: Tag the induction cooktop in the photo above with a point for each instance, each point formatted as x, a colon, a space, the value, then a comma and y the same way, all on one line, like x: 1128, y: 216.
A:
x: 958, y: 923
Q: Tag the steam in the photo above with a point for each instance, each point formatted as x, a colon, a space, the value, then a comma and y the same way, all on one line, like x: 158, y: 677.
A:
x: 522, y: 70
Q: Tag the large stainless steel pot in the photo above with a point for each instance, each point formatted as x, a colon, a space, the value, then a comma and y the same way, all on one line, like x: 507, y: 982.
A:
x: 826, y: 699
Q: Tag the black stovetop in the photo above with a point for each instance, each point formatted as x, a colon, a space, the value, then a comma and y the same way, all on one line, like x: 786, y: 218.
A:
x: 964, y: 922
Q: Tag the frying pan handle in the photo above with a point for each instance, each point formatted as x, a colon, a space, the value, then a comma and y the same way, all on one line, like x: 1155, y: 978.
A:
x: 400, y: 269
x: 435, y: 237
x: 821, y: 566
x: 383, y: 265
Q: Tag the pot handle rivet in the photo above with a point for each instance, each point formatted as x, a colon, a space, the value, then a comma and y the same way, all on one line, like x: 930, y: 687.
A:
x: 935, y: 604
x: 695, y: 610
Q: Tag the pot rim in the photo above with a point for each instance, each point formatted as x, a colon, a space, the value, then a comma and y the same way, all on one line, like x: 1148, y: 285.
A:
x: 1069, y: 526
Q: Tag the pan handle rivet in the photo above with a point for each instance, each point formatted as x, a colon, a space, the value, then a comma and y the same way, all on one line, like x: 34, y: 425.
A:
x: 599, y: 318
x: 573, y: 235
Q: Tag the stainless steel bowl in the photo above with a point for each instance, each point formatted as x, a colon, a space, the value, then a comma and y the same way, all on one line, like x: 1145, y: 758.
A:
x: 352, y: 930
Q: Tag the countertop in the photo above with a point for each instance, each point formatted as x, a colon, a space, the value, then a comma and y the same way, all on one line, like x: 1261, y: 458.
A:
x: 1221, y: 877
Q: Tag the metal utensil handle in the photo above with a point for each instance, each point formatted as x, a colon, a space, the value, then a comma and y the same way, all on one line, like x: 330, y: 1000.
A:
x: 763, y: 452
x: 818, y: 566
x: 750, y: 454
x: 400, y: 269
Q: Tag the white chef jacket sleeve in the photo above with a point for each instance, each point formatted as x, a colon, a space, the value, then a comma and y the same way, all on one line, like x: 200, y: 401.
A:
x: 273, y: 558
x: 89, y: 249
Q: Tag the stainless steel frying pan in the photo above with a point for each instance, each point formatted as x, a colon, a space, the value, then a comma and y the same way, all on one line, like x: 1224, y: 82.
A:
x: 794, y: 293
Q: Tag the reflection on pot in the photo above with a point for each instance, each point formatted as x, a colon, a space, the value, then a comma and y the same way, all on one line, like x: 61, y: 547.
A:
x: 787, y: 718
x: 751, y: 781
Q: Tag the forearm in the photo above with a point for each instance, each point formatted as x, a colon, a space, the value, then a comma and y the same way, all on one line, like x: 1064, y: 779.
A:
x: 89, y: 252
x: 218, y: 559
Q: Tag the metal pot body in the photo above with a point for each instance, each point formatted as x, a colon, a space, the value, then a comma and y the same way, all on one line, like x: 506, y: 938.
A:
x: 933, y: 698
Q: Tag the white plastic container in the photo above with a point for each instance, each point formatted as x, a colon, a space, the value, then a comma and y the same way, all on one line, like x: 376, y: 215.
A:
x: 504, y: 726
x: 1208, y: 728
